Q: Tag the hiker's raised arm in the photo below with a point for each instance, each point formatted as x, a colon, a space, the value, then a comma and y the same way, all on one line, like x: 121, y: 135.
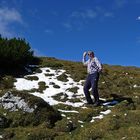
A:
x: 84, y: 59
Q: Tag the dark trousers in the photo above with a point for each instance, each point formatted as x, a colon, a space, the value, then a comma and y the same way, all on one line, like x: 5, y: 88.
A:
x: 92, y: 82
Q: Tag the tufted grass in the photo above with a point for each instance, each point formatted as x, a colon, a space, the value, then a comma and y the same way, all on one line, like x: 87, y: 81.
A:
x: 117, y: 83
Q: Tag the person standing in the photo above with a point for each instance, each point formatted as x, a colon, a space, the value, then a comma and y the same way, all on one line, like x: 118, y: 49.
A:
x: 94, y: 68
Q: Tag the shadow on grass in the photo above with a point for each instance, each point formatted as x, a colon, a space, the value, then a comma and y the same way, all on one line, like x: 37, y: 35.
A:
x: 116, y: 100
x: 18, y: 72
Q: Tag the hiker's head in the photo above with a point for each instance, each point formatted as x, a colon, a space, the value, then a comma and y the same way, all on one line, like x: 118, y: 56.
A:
x: 91, y: 54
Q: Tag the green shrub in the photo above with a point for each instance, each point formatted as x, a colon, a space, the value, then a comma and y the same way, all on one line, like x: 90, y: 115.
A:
x: 63, y: 77
x: 47, y: 70
x: 122, y: 123
x: 56, y: 86
x: 49, y: 74
x: 61, y: 97
x: 42, y: 86
x: 8, y: 135
x: 43, y: 112
x: 7, y: 82
x: 73, y: 89
x: 4, y: 122
x: 38, y: 71
x: 64, y: 126
x: 41, y: 135
x: 51, y: 83
x: 51, y: 62
x: 14, y: 53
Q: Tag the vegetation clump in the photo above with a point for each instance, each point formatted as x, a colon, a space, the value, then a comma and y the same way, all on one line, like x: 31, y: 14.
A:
x: 47, y: 74
x: 7, y: 82
x: 32, y: 78
x: 63, y: 77
x: 43, y: 112
x: 18, y: 51
x: 56, y: 86
x: 117, y: 83
x: 42, y: 86
x: 47, y: 62
x: 73, y: 89
x: 61, y: 96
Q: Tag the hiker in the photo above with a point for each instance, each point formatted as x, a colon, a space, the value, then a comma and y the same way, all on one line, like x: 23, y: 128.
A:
x: 94, y: 68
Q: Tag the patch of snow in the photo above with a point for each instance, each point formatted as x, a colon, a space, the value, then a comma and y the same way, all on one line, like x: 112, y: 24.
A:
x: 63, y: 115
x: 84, y: 107
x: 136, y: 97
x: 98, y: 117
x: 24, y: 84
x: 68, y: 111
x: 4, y: 114
x: 48, y: 93
x: 80, y: 121
x: 81, y: 81
x: 101, y: 116
x: 62, y: 97
x: 123, y: 138
x: 136, y: 86
x: 105, y: 112
x: 68, y: 118
x: 92, y: 121
x: 102, y: 99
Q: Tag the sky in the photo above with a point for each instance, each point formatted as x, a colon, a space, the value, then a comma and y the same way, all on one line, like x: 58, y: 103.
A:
x: 64, y: 29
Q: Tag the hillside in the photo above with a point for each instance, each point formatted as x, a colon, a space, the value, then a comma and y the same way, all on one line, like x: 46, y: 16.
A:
x: 48, y: 103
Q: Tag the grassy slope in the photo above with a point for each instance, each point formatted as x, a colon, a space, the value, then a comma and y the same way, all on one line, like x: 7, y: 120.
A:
x: 122, y: 123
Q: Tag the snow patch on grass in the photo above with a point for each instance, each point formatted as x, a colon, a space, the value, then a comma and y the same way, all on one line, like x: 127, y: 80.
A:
x: 24, y: 84
x: 101, y: 116
x: 68, y: 111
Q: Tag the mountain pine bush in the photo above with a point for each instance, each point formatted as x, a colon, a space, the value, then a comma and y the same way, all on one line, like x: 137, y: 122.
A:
x: 14, y: 53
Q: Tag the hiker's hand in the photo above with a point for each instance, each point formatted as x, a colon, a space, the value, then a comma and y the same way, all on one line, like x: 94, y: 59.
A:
x: 84, y: 54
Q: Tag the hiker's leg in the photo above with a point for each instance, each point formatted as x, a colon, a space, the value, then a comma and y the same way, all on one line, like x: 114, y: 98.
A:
x: 87, y: 86
x: 94, y: 85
